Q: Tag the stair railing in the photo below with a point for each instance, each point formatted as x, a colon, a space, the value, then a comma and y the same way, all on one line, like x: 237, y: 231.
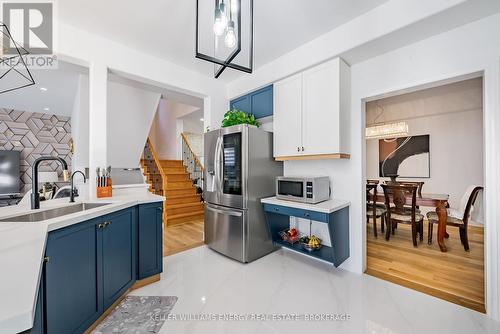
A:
x: 158, y: 176
x: 192, y: 162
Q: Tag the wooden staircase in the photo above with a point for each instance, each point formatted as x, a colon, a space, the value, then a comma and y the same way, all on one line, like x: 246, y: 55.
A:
x: 171, y: 179
x: 183, y: 203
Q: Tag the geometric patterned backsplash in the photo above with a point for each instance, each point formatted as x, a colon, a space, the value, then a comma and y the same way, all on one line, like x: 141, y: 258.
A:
x: 35, y: 135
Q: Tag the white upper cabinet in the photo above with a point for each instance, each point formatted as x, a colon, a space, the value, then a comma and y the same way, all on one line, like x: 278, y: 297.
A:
x: 311, y: 113
x: 287, y: 110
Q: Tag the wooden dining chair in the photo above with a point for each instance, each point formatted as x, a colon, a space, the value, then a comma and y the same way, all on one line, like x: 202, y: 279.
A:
x: 398, y: 212
x: 374, y: 211
x: 372, y: 181
x: 419, y: 185
x: 458, y: 217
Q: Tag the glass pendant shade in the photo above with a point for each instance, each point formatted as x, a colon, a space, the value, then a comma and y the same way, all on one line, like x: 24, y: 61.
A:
x: 230, y: 39
x: 224, y: 34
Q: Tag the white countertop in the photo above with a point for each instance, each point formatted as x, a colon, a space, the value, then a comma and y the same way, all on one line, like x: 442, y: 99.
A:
x: 22, y: 249
x: 329, y: 206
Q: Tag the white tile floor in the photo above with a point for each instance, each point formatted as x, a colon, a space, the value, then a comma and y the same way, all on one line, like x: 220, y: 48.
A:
x: 288, y: 283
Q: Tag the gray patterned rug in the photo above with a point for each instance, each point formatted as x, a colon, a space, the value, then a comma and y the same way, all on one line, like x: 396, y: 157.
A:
x: 137, y: 314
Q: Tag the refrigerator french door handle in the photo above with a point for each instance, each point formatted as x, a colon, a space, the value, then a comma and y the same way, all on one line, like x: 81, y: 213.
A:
x: 225, y: 212
x: 215, y: 183
x: 221, y: 163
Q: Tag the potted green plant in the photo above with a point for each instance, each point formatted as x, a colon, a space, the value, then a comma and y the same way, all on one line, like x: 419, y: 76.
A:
x: 235, y: 117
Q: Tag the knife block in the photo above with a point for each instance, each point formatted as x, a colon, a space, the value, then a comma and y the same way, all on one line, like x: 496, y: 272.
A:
x: 105, y: 191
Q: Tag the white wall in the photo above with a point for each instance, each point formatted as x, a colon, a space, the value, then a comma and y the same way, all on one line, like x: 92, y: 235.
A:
x: 192, y: 125
x: 467, y: 49
x: 163, y: 132
x: 453, y: 117
x: 81, y: 47
x: 167, y: 127
x: 130, y: 114
x: 80, y: 124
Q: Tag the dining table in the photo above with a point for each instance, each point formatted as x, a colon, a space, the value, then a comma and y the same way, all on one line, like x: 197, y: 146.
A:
x: 437, y: 201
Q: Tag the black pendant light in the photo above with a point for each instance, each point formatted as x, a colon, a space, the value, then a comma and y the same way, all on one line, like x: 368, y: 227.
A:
x: 224, y: 34
x: 14, y: 74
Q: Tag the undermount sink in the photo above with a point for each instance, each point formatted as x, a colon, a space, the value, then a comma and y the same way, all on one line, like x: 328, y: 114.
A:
x: 53, y: 213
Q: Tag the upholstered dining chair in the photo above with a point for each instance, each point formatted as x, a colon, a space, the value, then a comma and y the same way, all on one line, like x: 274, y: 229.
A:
x: 399, y: 212
x: 458, y: 217
x: 374, y: 211
x: 420, y: 185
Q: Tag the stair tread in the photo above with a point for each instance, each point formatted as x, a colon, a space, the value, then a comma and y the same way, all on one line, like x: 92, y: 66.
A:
x: 182, y: 196
x: 188, y: 214
x: 183, y: 205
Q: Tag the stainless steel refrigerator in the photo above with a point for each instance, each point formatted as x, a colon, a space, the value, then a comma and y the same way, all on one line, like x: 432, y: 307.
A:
x: 239, y: 171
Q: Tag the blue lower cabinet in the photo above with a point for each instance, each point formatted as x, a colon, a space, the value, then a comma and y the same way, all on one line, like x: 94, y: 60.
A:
x: 91, y: 264
x: 38, y: 322
x: 72, y: 278
x: 150, y: 240
x: 278, y: 219
x: 118, y: 250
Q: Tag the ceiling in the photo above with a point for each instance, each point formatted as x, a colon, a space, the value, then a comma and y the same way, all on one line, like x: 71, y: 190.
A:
x: 53, y: 93
x: 461, y: 96
x: 166, y: 28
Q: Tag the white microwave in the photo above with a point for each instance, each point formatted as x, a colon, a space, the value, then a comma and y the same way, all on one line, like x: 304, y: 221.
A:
x: 310, y: 190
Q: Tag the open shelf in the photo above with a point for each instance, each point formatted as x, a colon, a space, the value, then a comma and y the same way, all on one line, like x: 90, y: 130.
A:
x: 325, y: 253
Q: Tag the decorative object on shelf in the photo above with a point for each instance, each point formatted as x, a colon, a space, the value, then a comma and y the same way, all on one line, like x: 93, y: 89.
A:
x: 404, y: 157
x: 389, y: 130
x: 235, y: 117
x: 290, y: 235
x: 14, y: 73
x: 310, y: 242
x: 224, y: 34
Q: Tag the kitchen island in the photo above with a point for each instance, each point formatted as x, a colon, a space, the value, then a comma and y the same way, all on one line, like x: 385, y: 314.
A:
x: 37, y: 256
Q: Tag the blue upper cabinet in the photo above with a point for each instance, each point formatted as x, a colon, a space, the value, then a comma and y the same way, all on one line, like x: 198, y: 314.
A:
x: 259, y: 103
x: 242, y: 103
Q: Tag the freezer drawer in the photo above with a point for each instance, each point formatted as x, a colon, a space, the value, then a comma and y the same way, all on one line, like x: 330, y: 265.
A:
x: 225, y: 231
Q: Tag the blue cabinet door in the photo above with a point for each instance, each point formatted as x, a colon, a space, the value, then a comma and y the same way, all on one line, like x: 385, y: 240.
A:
x: 118, y: 254
x: 150, y: 240
x: 259, y: 103
x: 242, y: 103
x: 262, y: 102
x: 72, y: 289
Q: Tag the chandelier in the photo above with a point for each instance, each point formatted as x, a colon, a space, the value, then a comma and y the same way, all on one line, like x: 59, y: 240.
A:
x: 389, y: 130
x: 224, y: 34
x: 14, y: 74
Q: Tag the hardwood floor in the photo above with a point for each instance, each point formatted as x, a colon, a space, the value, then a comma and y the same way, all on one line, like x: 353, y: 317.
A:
x: 456, y: 276
x: 178, y: 238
